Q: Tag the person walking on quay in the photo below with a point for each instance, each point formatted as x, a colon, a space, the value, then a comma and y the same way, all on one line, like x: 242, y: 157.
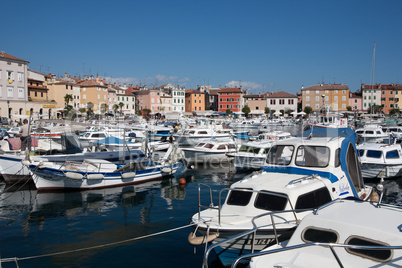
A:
x: 25, y: 137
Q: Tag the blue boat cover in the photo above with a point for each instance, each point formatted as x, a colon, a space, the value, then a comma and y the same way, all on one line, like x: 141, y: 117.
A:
x: 111, y: 140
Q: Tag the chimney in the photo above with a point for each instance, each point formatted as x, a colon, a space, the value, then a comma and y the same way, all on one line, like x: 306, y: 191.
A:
x: 219, y: 86
x: 2, y: 54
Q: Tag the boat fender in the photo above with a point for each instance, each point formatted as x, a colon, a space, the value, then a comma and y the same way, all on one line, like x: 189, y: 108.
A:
x: 95, y: 177
x: 199, y: 240
x: 25, y: 162
x: 166, y: 170
x: 74, y: 175
x: 128, y: 175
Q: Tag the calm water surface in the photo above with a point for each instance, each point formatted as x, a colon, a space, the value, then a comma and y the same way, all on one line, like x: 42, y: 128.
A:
x: 33, y: 224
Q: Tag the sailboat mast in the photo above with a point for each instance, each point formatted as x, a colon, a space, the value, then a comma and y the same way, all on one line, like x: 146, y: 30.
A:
x: 372, y: 79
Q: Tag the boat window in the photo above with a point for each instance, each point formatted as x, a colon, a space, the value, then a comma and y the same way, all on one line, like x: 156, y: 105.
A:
x: 360, y: 152
x: 221, y: 147
x: 353, y: 168
x: 200, y: 144
x: 314, y: 234
x: 202, y: 132
x: 87, y: 135
x: 266, y: 150
x: 191, y: 132
x: 231, y: 146
x: 239, y: 197
x: 243, y: 148
x: 392, y: 154
x: 373, y: 153
x: 208, y: 145
x: 270, y: 201
x: 378, y: 132
x: 359, y: 131
x: 376, y: 255
x: 369, y: 132
x: 338, y: 157
x: 313, y: 199
x: 312, y: 156
x: 280, y: 155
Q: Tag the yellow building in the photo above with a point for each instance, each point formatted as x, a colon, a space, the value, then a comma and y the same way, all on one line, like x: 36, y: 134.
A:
x: 334, y: 96
x: 93, y: 91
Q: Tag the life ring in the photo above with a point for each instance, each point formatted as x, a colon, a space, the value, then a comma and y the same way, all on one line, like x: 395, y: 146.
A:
x: 199, y: 240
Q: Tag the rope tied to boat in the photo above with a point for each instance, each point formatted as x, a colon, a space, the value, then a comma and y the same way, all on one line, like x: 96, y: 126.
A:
x: 16, y: 259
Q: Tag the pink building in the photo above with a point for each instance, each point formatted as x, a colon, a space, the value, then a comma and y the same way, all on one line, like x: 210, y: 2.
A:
x: 356, y: 101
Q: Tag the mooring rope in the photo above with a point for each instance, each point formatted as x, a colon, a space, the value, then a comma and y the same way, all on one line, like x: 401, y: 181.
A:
x: 16, y: 259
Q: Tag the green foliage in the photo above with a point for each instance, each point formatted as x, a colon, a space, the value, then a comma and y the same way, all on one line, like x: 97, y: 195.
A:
x: 246, y: 110
x: 308, y: 110
x: 229, y: 112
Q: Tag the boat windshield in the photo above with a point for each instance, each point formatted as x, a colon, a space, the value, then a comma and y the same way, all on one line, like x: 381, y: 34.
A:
x: 312, y: 156
x: 280, y: 155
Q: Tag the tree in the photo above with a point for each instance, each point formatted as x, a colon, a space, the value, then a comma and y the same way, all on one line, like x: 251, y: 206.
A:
x: 229, y: 112
x: 115, y: 108
x: 308, y: 110
x: 121, y: 107
x: 90, y: 106
x: 146, y: 112
x: 246, y: 110
x: 349, y: 108
x: 374, y: 109
x: 103, y: 108
x: 267, y: 110
x: 67, y: 99
x: 394, y: 111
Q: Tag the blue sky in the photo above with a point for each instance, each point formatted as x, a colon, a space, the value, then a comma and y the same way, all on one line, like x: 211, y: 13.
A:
x: 262, y: 45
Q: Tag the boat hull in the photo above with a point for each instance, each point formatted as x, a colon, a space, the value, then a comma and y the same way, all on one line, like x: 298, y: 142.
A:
x: 46, y: 179
x: 380, y: 171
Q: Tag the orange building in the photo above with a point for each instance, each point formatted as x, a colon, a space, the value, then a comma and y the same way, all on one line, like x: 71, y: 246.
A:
x: 195, y: 100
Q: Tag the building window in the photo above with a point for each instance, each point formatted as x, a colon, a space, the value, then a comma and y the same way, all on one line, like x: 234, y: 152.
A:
x: 195, y: 101
x: 343, y: 106
x: 336, y: 106
x: 1, y: 91
x: 10, y: 75
x: 317, y: 106
x: 317, y: 98
x: 307, y: 98
x: 344, y: 91
x: 307, y: 91
x: 336, y: 91
x: 336, y: 98
x: 20, y: 77
x: 199, y: 101
x: 41, y: 94
x: 317, y: 92
x: 10, y: 92
x: 84, y: 97
x: 343, y: 98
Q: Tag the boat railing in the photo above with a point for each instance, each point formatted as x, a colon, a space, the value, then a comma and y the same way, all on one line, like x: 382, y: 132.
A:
x: 254, y: 230
x: 330, y: 246
x: 219, y: 207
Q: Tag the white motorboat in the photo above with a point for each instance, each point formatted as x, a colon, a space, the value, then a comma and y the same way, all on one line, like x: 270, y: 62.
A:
x: 211, y: 152
x: 193, y: 136
x: 380, y: 160
x: 371, y: 133
x: 99, y: 173
x: 252, y: 155
x: 300, y: 174
x: 344, y: 233
x: 330, y: 120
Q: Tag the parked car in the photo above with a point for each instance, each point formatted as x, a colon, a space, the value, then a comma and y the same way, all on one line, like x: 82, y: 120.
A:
x: 4, y: 121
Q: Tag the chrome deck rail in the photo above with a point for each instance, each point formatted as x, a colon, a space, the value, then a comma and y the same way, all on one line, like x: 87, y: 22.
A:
x: 253, y: 231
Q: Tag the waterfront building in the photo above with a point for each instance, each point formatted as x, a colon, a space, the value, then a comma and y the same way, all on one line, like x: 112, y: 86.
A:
x: 13, y: 85
x: 94, y: 91
x: 256, y: 103
x: 333, y: 96
x: 371, y: 95
x: 195, y: 101
x: 230, y: 98
x: 281, y: 102
x: 356, y: 101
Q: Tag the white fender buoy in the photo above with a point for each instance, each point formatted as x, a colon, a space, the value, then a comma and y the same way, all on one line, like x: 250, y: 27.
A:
x: 73, y: 175
x: 166, y: 170
x: 95, y: 176
x: 128, y: 175
x: 199, y: 240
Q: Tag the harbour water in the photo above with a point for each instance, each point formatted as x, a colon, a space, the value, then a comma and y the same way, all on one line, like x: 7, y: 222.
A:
x: 143, y: 225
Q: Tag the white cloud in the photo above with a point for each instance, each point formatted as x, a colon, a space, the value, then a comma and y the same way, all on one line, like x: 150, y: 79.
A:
x: 252, y: 86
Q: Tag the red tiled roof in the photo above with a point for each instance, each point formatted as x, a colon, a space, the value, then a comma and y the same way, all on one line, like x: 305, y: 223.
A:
x: 189, y: 91
x: 230, y: 90
x: 280, y: 94
x: 37, y: 87
x: 327, y: 87
x: 89, y: 83
x: 213, y: 91
x: 4, y: 55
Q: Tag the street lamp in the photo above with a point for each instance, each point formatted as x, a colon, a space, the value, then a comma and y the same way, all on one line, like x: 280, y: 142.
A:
x: 323, y: 102
x: 8, y: 109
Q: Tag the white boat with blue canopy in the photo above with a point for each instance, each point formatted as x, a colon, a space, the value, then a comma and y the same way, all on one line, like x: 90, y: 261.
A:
x: 300, y: 174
